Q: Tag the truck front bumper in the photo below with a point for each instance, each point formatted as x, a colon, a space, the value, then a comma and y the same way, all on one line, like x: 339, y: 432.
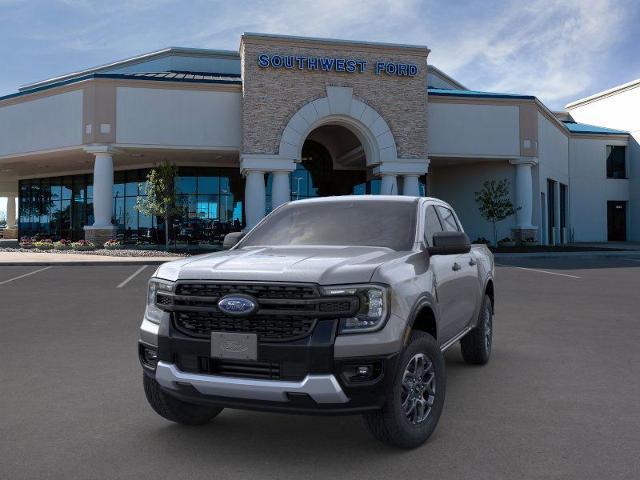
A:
x: 297, y: 377
x: 320, y: 388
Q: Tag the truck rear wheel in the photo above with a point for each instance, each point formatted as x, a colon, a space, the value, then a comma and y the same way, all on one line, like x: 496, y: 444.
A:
x: 476, y: 345
x: 176, y: 410
x: 415, y: 402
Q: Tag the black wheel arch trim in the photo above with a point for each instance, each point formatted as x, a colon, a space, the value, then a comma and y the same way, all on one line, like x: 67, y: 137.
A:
x: 425, y: 300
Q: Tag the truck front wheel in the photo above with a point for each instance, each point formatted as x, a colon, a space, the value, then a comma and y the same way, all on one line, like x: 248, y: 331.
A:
x: 415, y: 402
x: 176, y: 410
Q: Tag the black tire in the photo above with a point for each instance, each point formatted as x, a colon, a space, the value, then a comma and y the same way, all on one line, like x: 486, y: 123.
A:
x: 476, y: 345
x: 392, y: 425
x: 176, y: 410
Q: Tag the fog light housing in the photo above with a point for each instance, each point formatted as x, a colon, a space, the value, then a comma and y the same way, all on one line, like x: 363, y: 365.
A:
x: 148, y: 356
x: 362, y: 372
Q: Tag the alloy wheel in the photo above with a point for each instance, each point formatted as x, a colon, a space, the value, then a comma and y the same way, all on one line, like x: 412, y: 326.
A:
x: 418, y: 388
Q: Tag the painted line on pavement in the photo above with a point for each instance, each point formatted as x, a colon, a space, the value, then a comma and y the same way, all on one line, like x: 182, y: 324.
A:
x: 632, y: 259
x: 25, y: 275
x: 539, y: 271
x: 132, y: 276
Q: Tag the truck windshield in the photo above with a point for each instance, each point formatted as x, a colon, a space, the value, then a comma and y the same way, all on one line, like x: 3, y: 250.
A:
x: 373, y: 223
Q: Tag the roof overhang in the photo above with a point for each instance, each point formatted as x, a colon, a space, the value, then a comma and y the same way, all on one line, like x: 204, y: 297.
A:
x: 145, y: 57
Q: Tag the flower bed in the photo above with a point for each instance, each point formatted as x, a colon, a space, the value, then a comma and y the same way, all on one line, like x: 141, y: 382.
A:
x: 62, y: 245
x: 113, y: 245
x: 83, y: 245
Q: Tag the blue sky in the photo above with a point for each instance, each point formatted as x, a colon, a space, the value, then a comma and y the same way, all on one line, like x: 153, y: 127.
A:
x: 557, y: 50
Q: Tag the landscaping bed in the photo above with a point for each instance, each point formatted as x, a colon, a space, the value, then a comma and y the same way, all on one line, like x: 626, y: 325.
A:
x: 548, y: 248
x: 101, y: 252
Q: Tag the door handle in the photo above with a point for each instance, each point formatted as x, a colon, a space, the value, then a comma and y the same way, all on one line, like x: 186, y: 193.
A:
x: 472, y: 261
x: 456, y: 267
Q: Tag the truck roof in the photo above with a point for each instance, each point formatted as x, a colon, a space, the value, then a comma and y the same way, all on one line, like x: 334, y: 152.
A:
x: 361, y: 198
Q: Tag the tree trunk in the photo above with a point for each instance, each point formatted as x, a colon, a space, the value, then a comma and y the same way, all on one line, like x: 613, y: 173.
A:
x: 166, y: 232
x: 495, y: 234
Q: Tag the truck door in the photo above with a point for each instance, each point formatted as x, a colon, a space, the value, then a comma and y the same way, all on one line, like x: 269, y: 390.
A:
x: 445, y: 277
x: 464, y: 283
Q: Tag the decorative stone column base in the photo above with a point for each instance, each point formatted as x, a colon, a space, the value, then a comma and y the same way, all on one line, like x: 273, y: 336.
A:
x: 525, y: 234
x: 99, y: 235
x: 9, y: 233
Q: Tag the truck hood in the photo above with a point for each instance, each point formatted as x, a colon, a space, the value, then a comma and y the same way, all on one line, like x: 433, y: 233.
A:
x: 322, y: 265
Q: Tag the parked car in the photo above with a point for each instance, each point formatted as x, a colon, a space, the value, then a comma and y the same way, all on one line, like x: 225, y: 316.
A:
x: 340, y: 305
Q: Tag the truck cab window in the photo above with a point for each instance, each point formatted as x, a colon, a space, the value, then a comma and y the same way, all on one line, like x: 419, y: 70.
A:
x: 449, y: 222
x: 431, y: 225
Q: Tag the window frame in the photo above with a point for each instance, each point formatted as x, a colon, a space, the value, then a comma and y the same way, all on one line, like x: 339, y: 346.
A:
x: 625, y: 172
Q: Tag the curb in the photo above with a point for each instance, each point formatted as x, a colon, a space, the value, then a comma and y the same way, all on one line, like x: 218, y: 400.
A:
x: 592, y: 254
x: 82, y: 263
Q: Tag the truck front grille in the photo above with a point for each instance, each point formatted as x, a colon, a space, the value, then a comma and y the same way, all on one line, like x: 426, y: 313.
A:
x: 285, y: 311
x: 257, y: 290
x: 228, y: 368
x: 268, y: 327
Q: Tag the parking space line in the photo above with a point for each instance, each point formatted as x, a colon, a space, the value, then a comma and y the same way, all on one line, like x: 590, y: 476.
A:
x: 132, y: 276
x: 540, y: 271
x: 25, y: 275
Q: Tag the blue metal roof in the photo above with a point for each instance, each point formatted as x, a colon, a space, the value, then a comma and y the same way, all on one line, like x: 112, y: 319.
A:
x: 188, y: 77
x: 444, y: 92
x: 575, y: 127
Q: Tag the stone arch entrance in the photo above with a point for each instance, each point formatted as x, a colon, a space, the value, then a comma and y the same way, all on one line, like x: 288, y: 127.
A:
x: 340, y: 108
x: 340, y: 111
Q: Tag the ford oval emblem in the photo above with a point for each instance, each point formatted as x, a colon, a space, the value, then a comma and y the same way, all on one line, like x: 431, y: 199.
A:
x: 238, y: 305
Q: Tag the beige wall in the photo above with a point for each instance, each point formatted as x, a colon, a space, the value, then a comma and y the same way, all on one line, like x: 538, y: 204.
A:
x: 46, y: 123
x: 178, y: 117
x: 272, y: 96
x: 473, y: 129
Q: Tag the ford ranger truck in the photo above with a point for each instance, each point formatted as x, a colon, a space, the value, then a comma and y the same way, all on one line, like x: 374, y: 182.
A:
x: 339, y: 305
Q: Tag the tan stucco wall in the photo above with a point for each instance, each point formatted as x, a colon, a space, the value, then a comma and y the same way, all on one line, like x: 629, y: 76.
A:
x: 272, y: 96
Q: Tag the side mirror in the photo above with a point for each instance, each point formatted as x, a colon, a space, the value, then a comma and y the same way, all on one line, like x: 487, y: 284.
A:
x: 449, y: 243
x: 232, y: 239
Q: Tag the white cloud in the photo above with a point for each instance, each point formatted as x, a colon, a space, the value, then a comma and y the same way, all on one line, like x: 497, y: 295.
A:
x: 546, y: 48
x: 549, y: 48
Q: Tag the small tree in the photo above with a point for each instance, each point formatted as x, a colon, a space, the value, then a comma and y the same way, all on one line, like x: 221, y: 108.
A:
x: 160, y: 199
x: 494, y: 203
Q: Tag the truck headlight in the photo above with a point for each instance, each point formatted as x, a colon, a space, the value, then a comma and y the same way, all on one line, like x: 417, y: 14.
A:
x: 153, y: 312
x: 372, y: 313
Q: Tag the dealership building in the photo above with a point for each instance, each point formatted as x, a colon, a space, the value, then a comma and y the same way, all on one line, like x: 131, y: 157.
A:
x: 289, y: 118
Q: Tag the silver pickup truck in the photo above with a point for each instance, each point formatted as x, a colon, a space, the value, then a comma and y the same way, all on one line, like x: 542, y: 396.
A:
x: 337, y: 305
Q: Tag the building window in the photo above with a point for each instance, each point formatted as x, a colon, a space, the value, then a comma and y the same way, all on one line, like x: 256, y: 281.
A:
x: 616, y: 161
x: 210, y: 198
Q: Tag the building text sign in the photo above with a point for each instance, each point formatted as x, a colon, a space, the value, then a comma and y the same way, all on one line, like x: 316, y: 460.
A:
x: 335, y: 64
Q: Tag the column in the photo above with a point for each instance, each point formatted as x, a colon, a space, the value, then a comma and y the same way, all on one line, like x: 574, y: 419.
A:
x: 103, y: 190
x: 389, y: 185
x: 102, y: 228
x: 254, y: 197
x: 11, y: 211
x: 524, y: 198
x: 280, y: 189
x: 411, y: 185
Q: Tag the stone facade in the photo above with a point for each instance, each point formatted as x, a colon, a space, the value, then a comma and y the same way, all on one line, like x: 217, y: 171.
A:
x: 99, y: 236
x: 272, y: 96
x: 9, y: 233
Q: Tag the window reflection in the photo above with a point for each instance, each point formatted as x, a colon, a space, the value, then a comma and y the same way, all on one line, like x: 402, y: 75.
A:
x: 211, y: 201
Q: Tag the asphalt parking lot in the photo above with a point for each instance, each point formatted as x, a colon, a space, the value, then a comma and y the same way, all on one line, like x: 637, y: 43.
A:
x: 559, y: 399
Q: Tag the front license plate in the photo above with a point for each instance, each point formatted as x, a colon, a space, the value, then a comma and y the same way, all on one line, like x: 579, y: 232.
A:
x: 238, y: 346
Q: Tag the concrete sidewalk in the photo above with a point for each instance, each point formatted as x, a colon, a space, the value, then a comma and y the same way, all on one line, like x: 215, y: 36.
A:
x: 36, y: 259
x: 635, y: 254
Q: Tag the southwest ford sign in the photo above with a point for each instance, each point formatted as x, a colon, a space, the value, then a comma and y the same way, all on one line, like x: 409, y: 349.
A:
x: 334, y: 64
